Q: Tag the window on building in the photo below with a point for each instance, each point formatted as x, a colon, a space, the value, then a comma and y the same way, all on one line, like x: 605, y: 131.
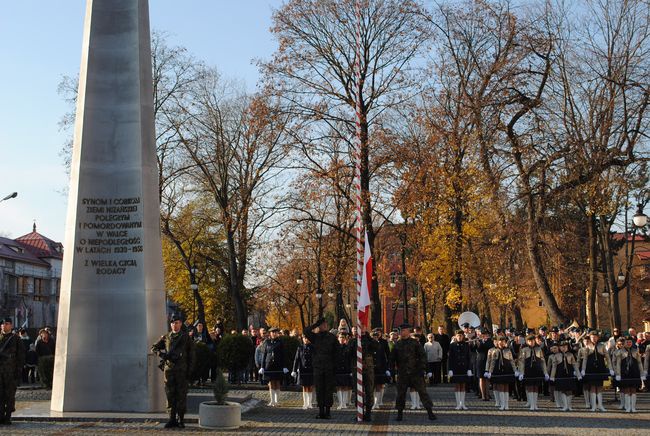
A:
x: 38, y: 286
x: 540, y: 303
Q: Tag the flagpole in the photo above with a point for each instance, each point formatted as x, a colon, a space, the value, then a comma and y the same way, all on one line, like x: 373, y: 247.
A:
x: 357, y: 182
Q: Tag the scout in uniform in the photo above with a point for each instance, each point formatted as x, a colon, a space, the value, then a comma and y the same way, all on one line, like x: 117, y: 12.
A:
x: 596, y: 367
x: 532, y: 370
x: 501, y: 369
x: 381, y: 368
x: 273, y: 369
x: 553, y: 348
x: 409, y: 360
x: 629, y: 372
x: 176, y: 351
x: 303, y: 371
x: 324, y: 344
x: 580, y: 357
x: 343, y: 358
x: 564, y: 372
x: 459, y: 365
x: 12, y: 359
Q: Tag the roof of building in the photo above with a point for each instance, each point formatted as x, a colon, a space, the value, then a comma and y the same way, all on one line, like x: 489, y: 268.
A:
x: 643, y: 255
x: 621, y: 237
x: 14, y: 250
x: 41, y: 246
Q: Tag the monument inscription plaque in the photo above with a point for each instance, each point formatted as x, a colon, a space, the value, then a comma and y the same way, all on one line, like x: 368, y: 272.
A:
x: 112, y: 302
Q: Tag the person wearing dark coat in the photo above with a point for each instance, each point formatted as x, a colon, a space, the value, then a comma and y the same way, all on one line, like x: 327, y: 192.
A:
x: 343, y: 359
x: 303, y: 371
x: 324, y: 348
x: 381, y: 356
x: 444, y: 340
x: 460, y: 369
x: 272, y: 368
x: 484, y: 344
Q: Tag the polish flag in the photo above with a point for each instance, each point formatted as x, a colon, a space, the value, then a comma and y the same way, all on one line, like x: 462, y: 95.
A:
x: 366, y: 284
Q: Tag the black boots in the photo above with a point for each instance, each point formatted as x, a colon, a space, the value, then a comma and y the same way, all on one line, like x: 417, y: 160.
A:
x: 181, y: 420
x: 367, y: 413
x: 328, y: 415
x: 172, y: 420
x: 400, y: 415
x: 432, y: 417
x: 321, y: 412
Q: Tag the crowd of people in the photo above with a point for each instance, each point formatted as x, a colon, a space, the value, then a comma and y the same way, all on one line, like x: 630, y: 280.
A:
x: 558, y: 362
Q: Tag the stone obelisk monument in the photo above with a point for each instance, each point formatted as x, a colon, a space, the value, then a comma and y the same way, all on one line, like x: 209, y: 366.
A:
x: 112, y: 303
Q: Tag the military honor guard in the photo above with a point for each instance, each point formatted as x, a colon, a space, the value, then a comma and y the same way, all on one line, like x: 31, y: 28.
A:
x: 303, y: 371
x: 459, y: 366
x: 564, y: 373
x: 501, y: 369
x: 369, y: 349
x: 272, y: 369
x: 629, y: 372
x: 409, y: 361
x: 176, y: 351
x: 596, y: 368
x: 532, y: 370
x: 324, y: 344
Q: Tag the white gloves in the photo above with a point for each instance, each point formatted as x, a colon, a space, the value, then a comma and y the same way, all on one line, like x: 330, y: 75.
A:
x: 546, y: 377
x: 261, y: 371
x: 643, y: 377
x: 487, y: 375
x: 294, y: 374
x: 618, y: 378
x: 552, y: 379
x: 611, y: 372
x: 469, y: 372
x: 521, y: 377
x: 387, y: 373
x: 285, y: 370
x: 582, y: 372
x: 516, y: 374
x: 450, y: 373
x: 429, y: 374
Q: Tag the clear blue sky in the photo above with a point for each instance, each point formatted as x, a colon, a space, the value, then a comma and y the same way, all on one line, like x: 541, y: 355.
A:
x: 40, y: 42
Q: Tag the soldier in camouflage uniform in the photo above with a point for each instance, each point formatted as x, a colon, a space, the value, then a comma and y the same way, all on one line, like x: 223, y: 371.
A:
x: 323, y: 363
x: 12, y: 359
x: 176, y: 350
x: 410, y: 361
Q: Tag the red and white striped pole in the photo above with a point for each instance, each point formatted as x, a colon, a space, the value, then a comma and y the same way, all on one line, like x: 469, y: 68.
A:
x: 357, y: 183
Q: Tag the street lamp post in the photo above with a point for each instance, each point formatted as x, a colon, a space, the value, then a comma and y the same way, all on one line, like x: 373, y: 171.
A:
x: 640, y: 220
x: 195, y: 290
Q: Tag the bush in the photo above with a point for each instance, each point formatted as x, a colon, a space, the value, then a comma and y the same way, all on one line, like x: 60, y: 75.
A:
x: 220, y: 389
x: 235, y: 352
x: 46, y: 370
x: 290, y: 345
x: 203, y: 358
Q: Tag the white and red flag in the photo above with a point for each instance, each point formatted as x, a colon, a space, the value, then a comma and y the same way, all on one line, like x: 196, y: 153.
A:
x: 366, y: 285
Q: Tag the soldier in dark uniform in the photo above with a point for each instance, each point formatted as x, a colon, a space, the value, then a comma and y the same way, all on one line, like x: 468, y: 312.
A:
x: 273, y: 369
x: 324, y: 344
x: 176, y: 349
x: 409, y: 359
x: 12, y: 359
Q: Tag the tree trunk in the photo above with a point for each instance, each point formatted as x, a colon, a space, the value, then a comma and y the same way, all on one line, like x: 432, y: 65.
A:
x: 241, y: 315
x: 592, y: 291
x: 609, y: 273
x: 519, y: 321
x: 537, y: 266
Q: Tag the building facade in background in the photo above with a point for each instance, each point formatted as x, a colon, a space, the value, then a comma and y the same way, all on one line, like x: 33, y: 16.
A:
x: 30, y: 279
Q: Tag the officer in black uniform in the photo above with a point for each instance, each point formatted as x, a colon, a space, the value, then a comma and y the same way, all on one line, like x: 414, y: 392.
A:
x: 410, y: 361
x: 323, y: 363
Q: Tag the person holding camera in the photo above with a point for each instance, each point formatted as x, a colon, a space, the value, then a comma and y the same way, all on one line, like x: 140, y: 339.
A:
x: 176, y: 352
